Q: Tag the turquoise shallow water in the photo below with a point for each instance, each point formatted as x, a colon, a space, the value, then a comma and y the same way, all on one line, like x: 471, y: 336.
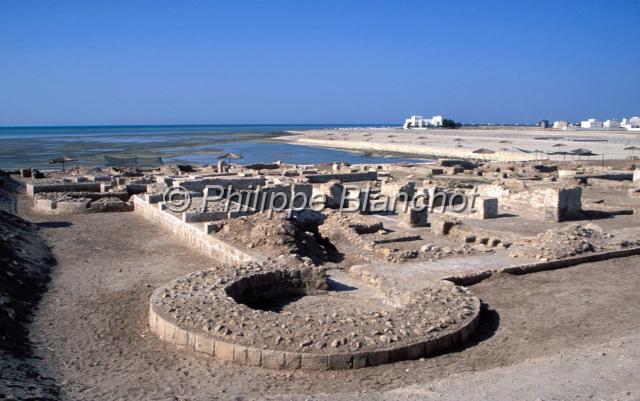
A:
x: 35, y: 146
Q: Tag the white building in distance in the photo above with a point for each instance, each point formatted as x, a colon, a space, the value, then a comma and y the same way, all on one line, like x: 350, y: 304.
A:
x: 611, y: 124
x: 591, y: 123
x: 560, y: 124
x: 420, y: 122
x: 631, y: 123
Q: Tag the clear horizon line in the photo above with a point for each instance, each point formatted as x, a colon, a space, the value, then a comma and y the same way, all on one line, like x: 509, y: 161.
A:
x: 237, y: 125
x: 188, y: 125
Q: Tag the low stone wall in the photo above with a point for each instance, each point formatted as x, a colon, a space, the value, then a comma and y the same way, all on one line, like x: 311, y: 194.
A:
x: 80, y: 206
x: 34, y: 188
x: 611, y: 184
x: 474, y: 278
x: 237, y: 183
x: 193, y: 236
x: 270, y: 359
x: 344, y: 177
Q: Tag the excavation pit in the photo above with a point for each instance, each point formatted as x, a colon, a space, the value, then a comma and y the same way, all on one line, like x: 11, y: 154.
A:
x: 271, y: 291
x: 224, y: 315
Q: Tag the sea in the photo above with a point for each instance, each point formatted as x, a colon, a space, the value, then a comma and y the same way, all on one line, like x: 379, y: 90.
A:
x: 185, y: 144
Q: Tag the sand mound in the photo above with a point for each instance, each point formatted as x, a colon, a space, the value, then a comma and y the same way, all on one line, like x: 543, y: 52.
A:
x: 25, y: 262
x: 8, y: 187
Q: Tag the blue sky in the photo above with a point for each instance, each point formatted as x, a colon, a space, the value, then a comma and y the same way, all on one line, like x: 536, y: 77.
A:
x: 161, y: 62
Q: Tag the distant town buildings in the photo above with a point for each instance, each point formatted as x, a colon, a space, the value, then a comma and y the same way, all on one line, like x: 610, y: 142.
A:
x: 611, y: 124
x: 632, y: 123
x: 420, y: 122
x: 591, y: 123
x: 543, y: 124
x: 561, y: 124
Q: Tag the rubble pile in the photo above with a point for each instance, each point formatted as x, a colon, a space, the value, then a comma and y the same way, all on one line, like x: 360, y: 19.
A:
x: 569, y: 240
x: 276, y: 235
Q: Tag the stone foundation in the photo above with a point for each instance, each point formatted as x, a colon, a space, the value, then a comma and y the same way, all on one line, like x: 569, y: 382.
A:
x: 211, y: 327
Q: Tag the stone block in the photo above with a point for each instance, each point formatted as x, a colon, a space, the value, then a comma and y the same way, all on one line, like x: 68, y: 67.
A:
x: 486, y: 208
x: 191, y: 340
x: 169, y: 332
x: 431, y: 347
x: 273, y: 359
x: 224, y: 351
x: 204, y: 344
x: 254, y: 357
x: 240, y: 354
x: 415, y: 217
x: 414, y: 351
x: 445, y: 342
x: 314, y: 362
x: 340, y: 361
x: 398, y: 354
x: 180, y: 337
x: 379, y: 357
x: 292, y: 360
x: 360, y: 360
x: 152, y: 321
x: 160, y: 327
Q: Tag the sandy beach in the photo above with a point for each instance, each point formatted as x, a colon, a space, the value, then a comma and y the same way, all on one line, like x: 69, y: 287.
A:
x: 507, y: 143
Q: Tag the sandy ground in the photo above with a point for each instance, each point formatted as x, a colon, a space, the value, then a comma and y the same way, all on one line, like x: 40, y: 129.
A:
x: 462, y: 142
x: 569, y: 333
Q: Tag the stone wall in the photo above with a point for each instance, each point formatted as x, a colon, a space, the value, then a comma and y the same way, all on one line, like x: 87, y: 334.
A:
x: 231, y: 349
x: 79, y: 206
x: 552, y: 203
x: 279, y: 360
x: 238, y: 183
x: 35, y: 187
x: 194, y: 236
x: 344, y: 177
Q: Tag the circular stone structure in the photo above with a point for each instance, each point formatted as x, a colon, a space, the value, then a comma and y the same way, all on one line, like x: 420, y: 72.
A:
x: 214, y: 313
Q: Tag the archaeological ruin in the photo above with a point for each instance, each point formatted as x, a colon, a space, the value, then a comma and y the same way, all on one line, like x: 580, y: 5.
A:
x: 350, y: 282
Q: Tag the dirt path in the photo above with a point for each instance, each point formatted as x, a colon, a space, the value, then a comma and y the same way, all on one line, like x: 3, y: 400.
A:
x: 92, y: 335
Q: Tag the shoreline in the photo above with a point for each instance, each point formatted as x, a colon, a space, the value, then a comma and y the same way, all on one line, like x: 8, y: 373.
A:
x: 505, y: 143
x: 183, y: 148
x: 407, y: 150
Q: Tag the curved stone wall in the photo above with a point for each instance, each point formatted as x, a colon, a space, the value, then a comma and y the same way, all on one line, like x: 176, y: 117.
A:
x: 201, y: 311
